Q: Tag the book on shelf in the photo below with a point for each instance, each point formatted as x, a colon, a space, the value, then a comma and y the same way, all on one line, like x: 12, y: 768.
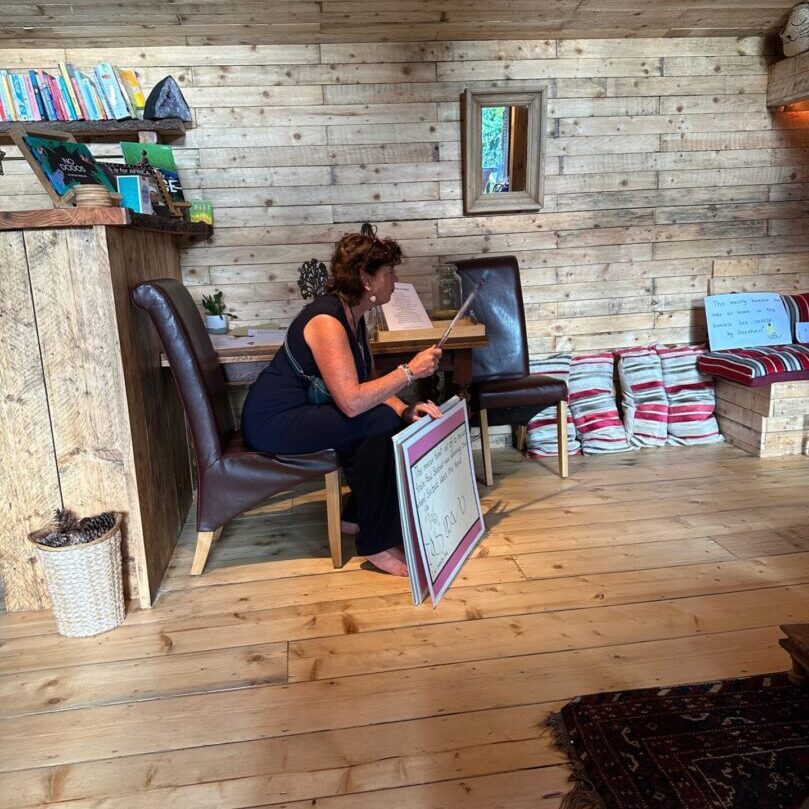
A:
x: 70, y: 91
x: 130, y: 82
x: 113, y: 92
x: 36, y: 96
x: 51, y: 113
x: 20, y: 98
x: 100, y: 93
x: 160, y: 157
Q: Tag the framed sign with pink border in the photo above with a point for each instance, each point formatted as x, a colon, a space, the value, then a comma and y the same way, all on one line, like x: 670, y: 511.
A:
x: 438, y: 497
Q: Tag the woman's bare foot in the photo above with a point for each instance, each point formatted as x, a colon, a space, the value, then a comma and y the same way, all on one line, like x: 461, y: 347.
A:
x: 350, y: 528
x: 390, y: 561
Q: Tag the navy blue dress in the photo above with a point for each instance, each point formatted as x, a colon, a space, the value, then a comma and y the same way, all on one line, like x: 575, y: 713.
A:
x: 278, y: 419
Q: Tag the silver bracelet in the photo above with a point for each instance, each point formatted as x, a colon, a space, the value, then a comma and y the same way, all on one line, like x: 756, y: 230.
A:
x: 407, y: 372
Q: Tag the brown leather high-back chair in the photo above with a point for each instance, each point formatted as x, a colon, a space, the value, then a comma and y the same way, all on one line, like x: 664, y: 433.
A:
x: 232, y: 478
x: 503, y: 390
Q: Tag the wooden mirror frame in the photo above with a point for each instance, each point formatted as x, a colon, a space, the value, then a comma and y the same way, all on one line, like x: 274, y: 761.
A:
x: 531, y: 199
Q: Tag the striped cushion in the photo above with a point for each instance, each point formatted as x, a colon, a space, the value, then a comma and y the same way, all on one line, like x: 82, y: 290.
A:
x: 758, y: 366
x: 592, y: 403
x: 645, y: 406
x: 542, y: 440
x: 691, y: 397
x: 798, y: 309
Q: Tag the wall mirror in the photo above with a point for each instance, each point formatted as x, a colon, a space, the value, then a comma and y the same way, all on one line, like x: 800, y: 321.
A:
x: 504, y: 146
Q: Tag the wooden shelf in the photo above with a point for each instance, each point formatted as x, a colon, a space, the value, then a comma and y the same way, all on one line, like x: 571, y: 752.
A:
x: 788, y: 81
x: 167, y: 130
x: 51, y: 218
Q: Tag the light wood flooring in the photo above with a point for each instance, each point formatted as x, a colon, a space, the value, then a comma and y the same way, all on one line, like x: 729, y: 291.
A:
x: 273, y: 680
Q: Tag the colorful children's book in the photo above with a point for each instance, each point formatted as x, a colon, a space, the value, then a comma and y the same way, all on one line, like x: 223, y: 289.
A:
x: 66, y: 164
x: 74, y: 113
x: 6, y: 95
x: 131, y: 84
x: 116, y: 170
x: 86, y: 89
x: 56, y: 96
x: 114, y: 96
x: 32, y: 102
x: 70, y: 86
x: 39, y: 104
x: 45, y: 94
x: 21, y: 102
x: 160, y: 157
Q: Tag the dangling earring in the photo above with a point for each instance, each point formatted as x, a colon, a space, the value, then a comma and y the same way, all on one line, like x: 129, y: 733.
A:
x: 372, y: 299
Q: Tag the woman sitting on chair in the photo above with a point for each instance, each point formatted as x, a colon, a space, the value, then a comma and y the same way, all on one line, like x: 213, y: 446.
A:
x: 319, y: 392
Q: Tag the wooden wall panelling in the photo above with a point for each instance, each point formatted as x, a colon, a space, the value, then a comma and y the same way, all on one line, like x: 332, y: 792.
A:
x: 29, y: 485
x: 662, y: 162
x: 333, y: 21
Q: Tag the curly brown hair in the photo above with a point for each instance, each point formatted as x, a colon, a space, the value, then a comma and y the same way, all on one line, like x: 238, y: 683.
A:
x: 356, y: 252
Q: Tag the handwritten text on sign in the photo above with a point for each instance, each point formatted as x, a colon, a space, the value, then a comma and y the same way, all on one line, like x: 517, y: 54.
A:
x: 445, y: 498
x: 747, y: 320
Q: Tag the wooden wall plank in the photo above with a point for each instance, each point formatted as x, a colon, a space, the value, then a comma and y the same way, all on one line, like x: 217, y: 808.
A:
x: 29, y: 482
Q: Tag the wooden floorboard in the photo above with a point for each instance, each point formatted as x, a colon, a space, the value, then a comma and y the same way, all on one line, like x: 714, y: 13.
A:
x: 274, y: 680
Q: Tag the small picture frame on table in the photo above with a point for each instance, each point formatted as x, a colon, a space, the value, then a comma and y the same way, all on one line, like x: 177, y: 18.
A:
x: 59, y: 162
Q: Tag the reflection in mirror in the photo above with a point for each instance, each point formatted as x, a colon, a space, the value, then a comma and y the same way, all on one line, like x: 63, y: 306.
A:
x: 503, y: 149
x: 504, y: 143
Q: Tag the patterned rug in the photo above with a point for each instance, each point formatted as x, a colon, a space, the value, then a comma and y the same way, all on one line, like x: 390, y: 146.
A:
x: 732, y: 744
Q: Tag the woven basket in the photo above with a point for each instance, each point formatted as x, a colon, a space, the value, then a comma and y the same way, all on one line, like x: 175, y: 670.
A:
x: 84, y: 582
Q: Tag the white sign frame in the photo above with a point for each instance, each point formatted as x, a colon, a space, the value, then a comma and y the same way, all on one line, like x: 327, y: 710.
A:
x: 442, y: 524
x: 747, y: 320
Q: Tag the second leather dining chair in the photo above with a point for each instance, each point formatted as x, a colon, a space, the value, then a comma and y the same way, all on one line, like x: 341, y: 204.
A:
x: 503, y: 391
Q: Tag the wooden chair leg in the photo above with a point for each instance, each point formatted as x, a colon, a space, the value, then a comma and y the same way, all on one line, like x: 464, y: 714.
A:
x: 521, y: 436
x: 333, y: 508
x: 486, y: 450
x: 561, y: 431
x: 204, y: 541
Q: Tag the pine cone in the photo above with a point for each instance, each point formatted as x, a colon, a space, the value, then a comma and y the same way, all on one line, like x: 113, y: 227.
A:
x: 91, y: 528
x: 65, y: 520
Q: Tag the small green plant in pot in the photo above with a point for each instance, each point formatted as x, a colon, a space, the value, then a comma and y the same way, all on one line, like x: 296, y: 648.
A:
x: 216, y: 318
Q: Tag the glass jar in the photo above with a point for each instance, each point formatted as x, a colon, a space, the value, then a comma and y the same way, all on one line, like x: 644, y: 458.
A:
x: 446, y: 292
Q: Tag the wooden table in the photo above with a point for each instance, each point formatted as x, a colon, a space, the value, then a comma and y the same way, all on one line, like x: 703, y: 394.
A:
x: 796, y: 643
x: 243, y: 358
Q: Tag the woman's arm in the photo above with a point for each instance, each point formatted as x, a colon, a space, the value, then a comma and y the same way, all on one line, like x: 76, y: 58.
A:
x: 327, y: 339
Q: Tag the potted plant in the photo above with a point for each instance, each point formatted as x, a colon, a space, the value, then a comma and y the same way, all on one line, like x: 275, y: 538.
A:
x: 81, y: 562
x: 216, y: 318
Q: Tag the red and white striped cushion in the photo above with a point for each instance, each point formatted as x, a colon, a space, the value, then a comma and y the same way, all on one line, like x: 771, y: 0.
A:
x: 758, y: 366
x: 797, y: 307
x: 542, y: 440
x: 592, y: 402
x: 691, y: 397
x: 645, y: 406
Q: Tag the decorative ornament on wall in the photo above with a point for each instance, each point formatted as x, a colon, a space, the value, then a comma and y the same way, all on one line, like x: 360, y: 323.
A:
x: 795, y: 36
x: 312, y: 277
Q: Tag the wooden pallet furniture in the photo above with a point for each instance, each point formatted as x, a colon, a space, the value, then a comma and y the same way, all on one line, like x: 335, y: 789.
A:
x: 767, y: 421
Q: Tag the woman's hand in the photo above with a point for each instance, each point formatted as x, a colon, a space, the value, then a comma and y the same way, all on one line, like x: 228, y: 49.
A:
x: 414, y: 412
x: 425, y: 363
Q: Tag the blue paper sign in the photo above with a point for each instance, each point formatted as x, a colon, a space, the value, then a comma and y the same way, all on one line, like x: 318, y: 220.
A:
x: 747, y: 320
